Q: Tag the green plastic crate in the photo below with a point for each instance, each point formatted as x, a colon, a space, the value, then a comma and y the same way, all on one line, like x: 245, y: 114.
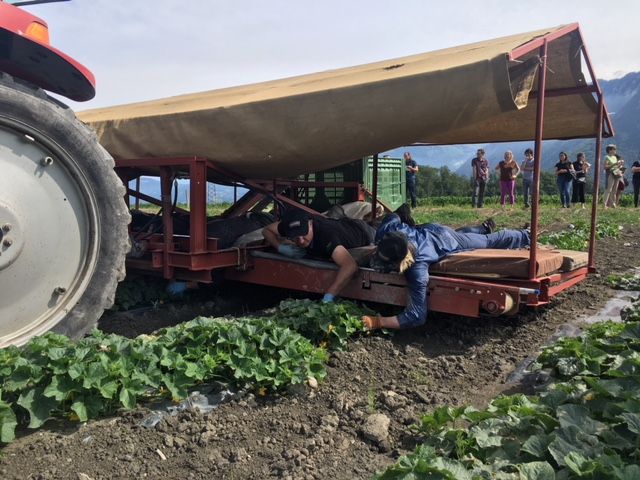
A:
x: 392, y: 185
x: 391, y: 182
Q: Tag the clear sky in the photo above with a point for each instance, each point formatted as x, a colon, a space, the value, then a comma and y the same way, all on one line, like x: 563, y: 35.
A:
x: 145, y: 49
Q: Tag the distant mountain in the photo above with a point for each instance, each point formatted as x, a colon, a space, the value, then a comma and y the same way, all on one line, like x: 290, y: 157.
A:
x: 622, y: 96
x: 623, y: 100
x: 452, y: 156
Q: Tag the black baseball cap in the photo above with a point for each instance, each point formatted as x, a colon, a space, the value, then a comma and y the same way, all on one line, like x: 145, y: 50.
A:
x: 294, y: 223
x: 393, y: 247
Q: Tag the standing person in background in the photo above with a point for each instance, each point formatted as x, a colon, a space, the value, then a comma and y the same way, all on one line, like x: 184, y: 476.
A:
x: 622, y: 181
x: 480, y: 168
x: 564, y: 177
x: 527, y: 176
x: 635, y: 169
x: 581, y: 167
x: 412, y: 169
x: 509, y: 170
x: 610, y: 167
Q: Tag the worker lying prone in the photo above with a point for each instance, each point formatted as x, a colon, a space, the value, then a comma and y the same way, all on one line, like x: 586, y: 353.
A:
x: 298, y: 233
x: 410, y: 250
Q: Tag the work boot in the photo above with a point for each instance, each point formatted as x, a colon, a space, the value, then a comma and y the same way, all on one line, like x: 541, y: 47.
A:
x: 404, y: 212
x: 490, y: 225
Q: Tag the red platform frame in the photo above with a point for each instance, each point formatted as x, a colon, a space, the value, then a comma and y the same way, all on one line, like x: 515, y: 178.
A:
x: 197, y: 257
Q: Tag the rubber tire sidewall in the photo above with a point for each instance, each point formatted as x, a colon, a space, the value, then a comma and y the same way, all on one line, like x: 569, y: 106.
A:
x: 60, y: 126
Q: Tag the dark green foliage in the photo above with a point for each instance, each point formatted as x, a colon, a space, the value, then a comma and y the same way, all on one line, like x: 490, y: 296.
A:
x: 577, y: 237
x: 326, y: 324
x: 140, y: 291
x: 53, y: 376
x: 631, y: 313
x: 628, y: 281
x: 584, y: 424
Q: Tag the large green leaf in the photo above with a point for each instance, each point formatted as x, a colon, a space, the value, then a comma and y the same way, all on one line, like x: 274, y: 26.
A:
x: 615, y: 440
x: 536, y: 471
x: 628, y: 472
x: 572, y: 439
x: 108, y: 389
x: 8, y: 423
x: 86, y: 407
x: 177, y: 384
x: 633, y: 421
x: 486, y: 439
x: 79, y: 407
x: 95, y: 373
x: 127, y: 398
x: 38, y: 406
x: 76, y: 370
x: 579, y: 464
x: 578, y: 416
x: 61, y: 387
x: 538, y: 445
x: 19, y: 379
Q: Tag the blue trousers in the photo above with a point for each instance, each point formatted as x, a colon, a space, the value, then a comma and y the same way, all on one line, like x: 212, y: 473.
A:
x: 527, y: 188
x: 477, y: 200
x: 473, y: 229
x: 411, y: 191
x: 564, y: 186
x: 500, y: 239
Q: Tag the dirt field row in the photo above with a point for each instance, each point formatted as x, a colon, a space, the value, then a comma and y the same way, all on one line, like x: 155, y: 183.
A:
x: 350, y: 426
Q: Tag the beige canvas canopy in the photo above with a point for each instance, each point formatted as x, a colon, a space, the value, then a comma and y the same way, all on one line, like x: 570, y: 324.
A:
x: 477, y: 93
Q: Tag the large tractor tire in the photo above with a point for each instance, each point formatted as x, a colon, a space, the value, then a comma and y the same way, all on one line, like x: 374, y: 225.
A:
x: 63, y: 219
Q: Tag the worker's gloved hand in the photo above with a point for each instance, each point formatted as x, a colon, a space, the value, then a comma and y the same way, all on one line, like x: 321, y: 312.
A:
x: 328, y: 298
x: 291, y: 251
x: 177, y: 288
x: 371, y: 323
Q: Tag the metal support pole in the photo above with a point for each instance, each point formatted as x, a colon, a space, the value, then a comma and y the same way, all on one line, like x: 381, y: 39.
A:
x: 137, y: 200
x: 374, y: 187
x: 198, y: 206
x: 166, y: 183
x: 537, y: 161
x: 274, y: 192
x: 596, y: 183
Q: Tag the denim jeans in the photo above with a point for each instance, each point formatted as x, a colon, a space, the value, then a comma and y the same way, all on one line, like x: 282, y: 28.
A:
x: 411, y: 191
x: 527, y: 186
x: 478, y: 193
x: 474, y: 229
x: 500, y: 239
x: 564, y: 186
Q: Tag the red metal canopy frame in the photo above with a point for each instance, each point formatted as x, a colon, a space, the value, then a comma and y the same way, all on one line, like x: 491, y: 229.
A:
x: 197, y: 257
x: 603, y: 117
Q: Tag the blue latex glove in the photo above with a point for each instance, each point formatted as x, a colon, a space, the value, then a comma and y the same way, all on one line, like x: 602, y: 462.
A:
x: 328, y: 298
x: 177, y: 288
x: 291, y: 251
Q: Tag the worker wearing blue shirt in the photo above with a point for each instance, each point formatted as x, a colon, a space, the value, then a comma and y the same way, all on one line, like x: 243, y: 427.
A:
x: 410, y: 250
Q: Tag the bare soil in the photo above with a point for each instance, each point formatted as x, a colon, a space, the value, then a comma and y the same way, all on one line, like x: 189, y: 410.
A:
x: 318, y: 433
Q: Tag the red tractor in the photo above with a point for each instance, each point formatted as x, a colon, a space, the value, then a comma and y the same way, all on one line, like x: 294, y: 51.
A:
x: 63, y: 220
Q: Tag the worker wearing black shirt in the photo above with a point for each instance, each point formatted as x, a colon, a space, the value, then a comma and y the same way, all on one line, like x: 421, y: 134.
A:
x: 298, y: 233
